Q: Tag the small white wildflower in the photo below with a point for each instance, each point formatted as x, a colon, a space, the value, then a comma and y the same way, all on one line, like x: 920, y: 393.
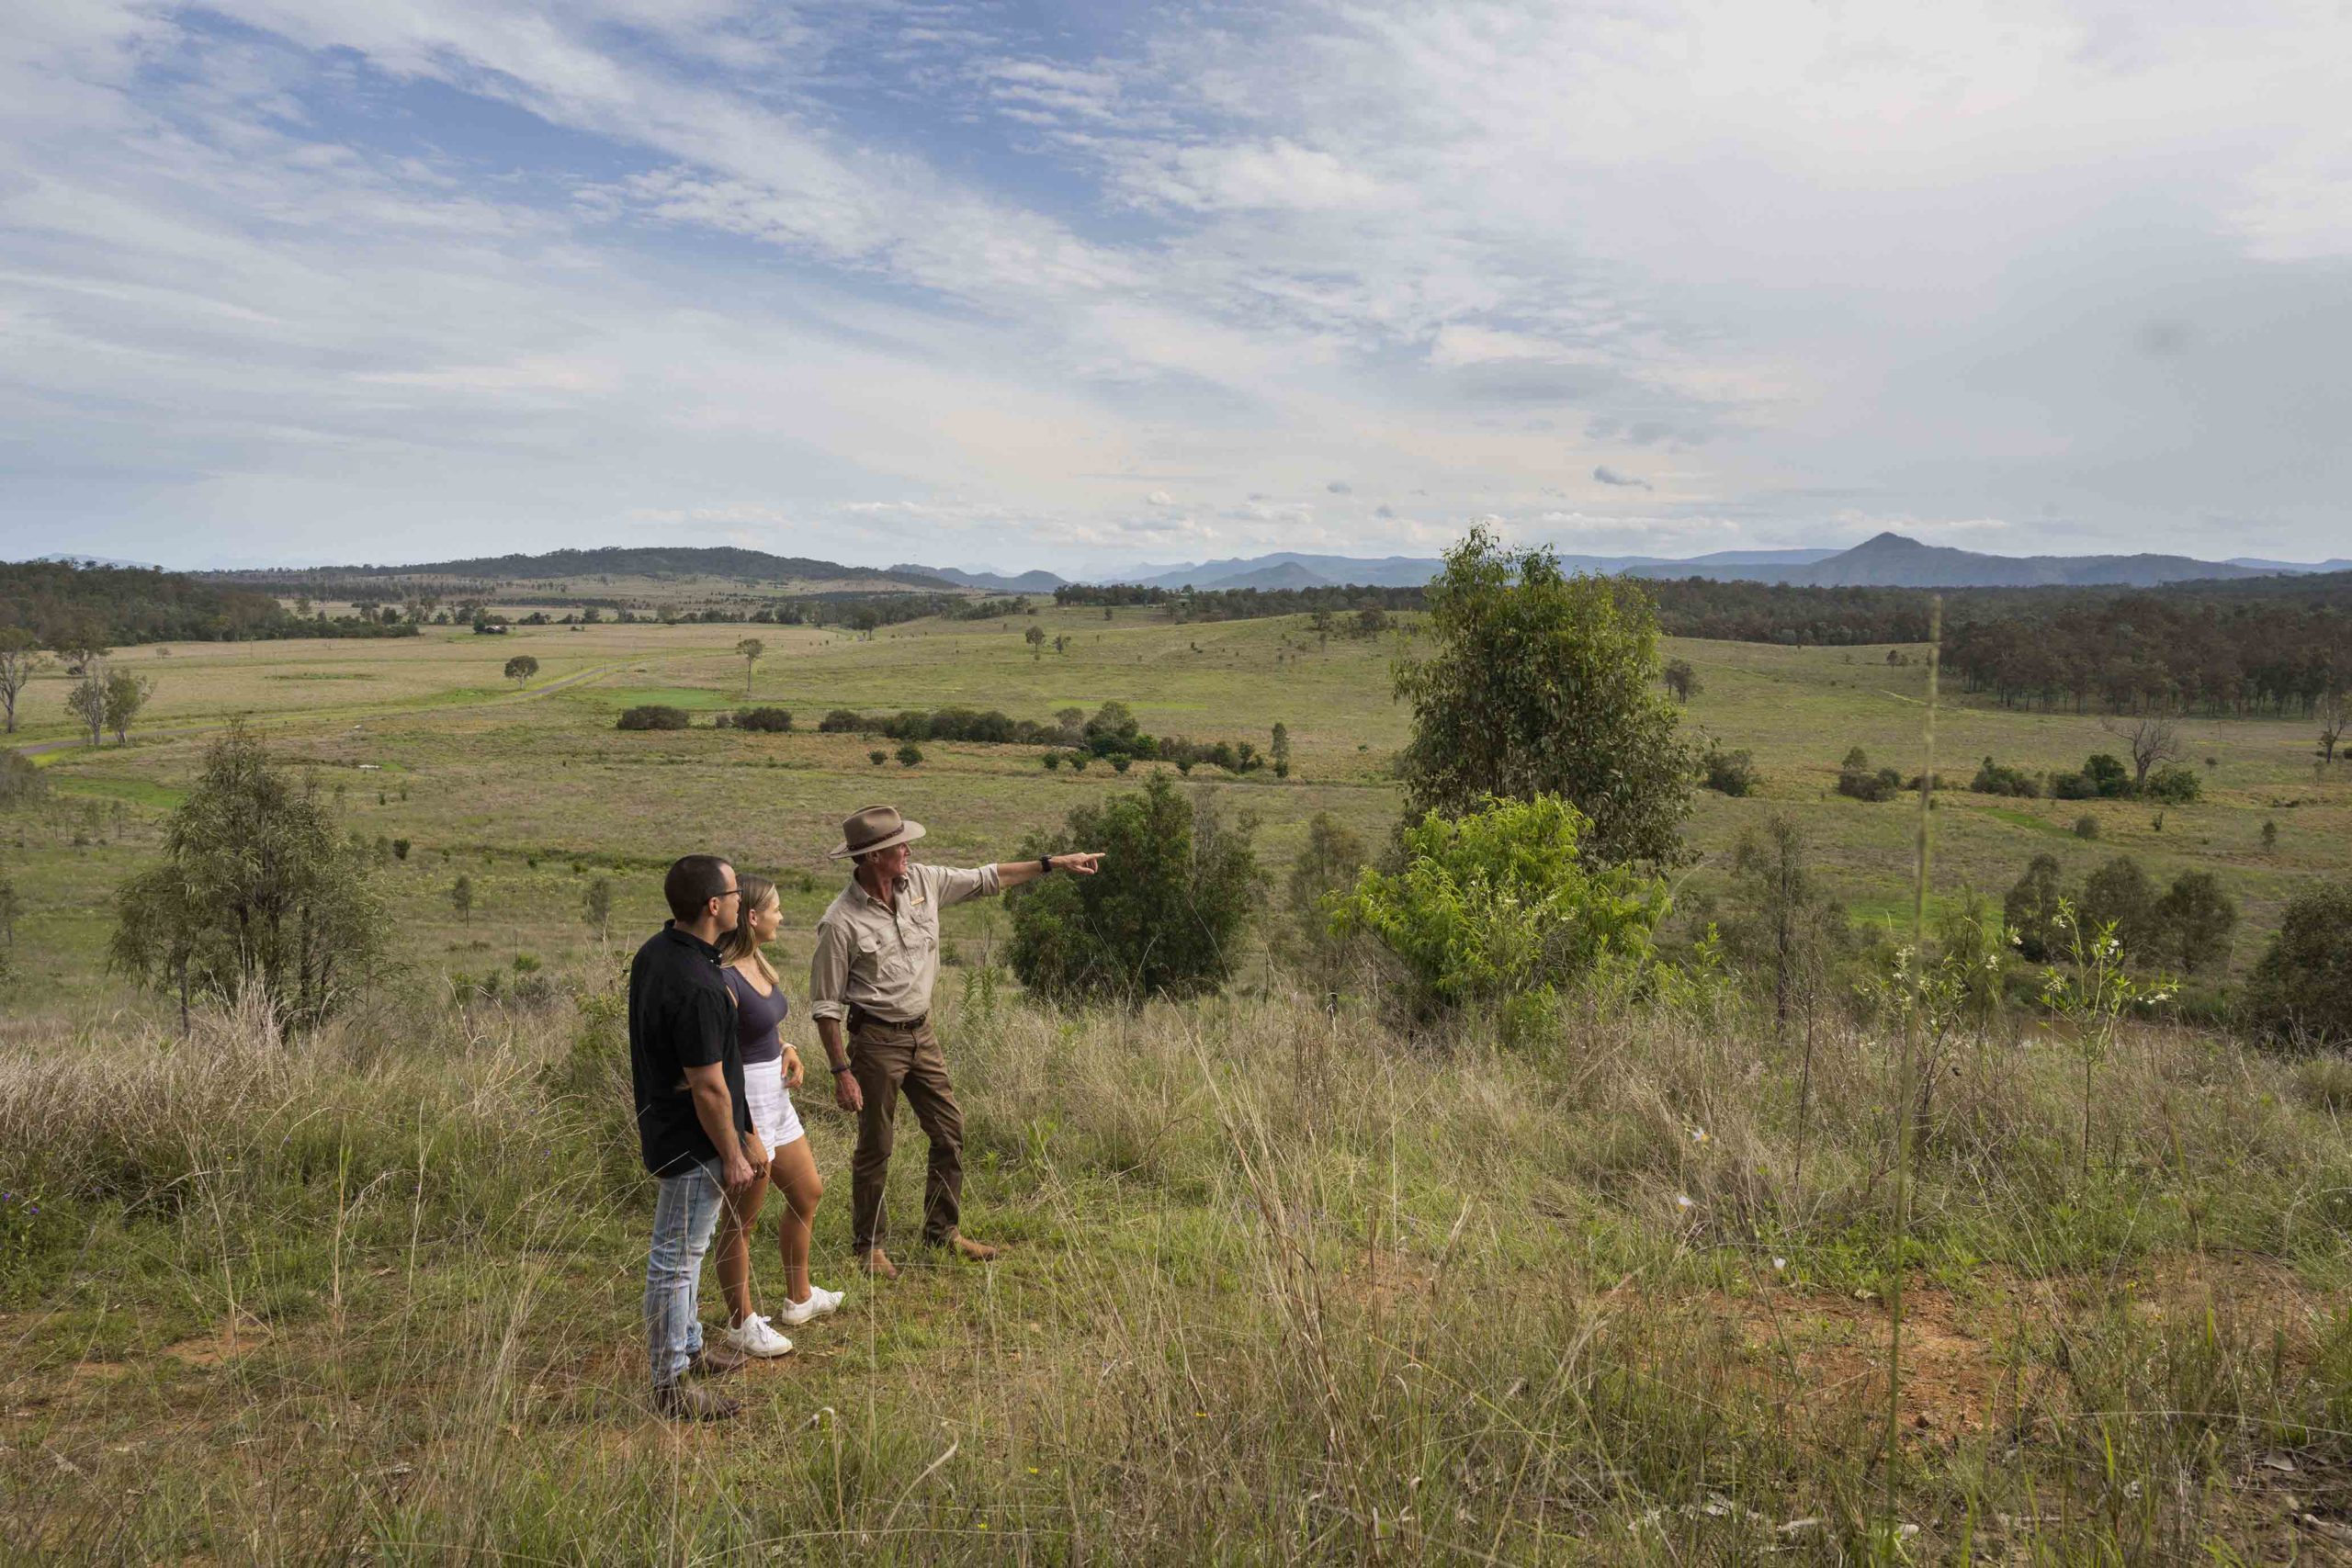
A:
x: 1698, y: 1134
x: 1682, y: 1200
x: 1780, y: 1264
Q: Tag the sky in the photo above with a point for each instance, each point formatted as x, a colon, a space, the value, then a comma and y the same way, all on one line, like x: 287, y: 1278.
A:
x: 1085, y: 286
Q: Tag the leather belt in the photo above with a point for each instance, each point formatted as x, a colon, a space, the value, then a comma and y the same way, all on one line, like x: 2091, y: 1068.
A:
x: 859, y: 1018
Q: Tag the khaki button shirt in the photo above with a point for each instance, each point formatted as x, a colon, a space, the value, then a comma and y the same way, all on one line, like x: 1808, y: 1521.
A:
x: 884, y: 958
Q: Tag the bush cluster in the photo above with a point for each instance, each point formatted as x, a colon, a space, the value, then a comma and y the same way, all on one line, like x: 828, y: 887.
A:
x: 1497, y: 904
x: 1731, y: 772
x: 773, y: 721
x: 1856, y: 778
x: 1165, y: 915
x: 2300, y: 991
x: 652, y: 716
x: 1999, y: 778
x: 2186, y: 926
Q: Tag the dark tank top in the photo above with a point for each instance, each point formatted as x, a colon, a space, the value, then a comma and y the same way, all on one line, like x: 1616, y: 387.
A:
x: 756, y: 1018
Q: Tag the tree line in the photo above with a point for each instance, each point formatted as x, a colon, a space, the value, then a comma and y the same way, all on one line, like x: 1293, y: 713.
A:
x: 61, y: 605
x: 2218, y: 655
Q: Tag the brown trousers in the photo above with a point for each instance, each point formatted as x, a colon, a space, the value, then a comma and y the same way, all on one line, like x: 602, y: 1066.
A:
x: 886, y: 1058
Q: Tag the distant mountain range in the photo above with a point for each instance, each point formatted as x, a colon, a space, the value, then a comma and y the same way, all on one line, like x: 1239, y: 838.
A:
x: 744, y: 565
x: 1889, y: 560
x: 994, y: 582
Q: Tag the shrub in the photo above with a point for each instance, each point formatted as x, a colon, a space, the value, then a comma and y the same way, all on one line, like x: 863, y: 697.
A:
x: 1498, y: 903
x: 2174, y: 786
x: 2087, y: 826
x: 400, y: 849
x: 1164, y: 916
x: 2109, y: 778
x: 878, y: 756
x: 2300, y: 991
x: 910, y: 754
x: 1856, y: 778
x: 1325, y: 869
x: 841, y: 721
x: 1731, y: 772
x: 773, y: 721
x: 1053, y: 760
x: 652, y: 716
x: 2120, y: 894
x: 1995, y: 778
x: 21, y: 784
x: 2030, y: 909
x: 2193, y: 921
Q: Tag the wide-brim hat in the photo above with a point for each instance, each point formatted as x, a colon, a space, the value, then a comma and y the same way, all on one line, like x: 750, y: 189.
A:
x: 875, y: 828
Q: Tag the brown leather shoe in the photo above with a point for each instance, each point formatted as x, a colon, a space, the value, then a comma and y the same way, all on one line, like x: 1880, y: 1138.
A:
x: 877, y: 1264
x: 679, y: 1402
x: 715, y: 1360
x: 974, y: 1251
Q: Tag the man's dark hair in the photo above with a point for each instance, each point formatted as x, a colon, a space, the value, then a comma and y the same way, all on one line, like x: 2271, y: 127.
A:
x: 694, y: 881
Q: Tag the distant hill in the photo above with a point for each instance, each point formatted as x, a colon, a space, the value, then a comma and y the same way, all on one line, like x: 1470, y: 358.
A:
x: 2258, y: 564
x: 1311, y: 571
x: 712, y: 561
x: 1891, y: 560
x: 994, y: 582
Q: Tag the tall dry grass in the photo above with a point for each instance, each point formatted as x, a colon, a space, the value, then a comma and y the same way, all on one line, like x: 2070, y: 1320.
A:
x: 1281, y: 1284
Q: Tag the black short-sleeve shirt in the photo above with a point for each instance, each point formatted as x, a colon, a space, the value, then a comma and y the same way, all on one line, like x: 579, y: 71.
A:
x: 681, y: 1015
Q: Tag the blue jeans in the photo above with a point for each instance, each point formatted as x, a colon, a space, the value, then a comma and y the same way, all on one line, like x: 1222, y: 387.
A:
x: 686, y: 1212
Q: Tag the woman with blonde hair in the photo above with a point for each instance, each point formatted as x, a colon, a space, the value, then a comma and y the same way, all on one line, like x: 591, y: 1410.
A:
x: 771, y: 1072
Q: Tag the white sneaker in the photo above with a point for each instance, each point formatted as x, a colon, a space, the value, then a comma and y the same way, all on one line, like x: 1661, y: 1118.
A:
x: 754, y: 1338
x: 820, y: 1301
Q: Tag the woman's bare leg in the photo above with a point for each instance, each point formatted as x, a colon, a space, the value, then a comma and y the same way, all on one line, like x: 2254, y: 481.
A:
x: 794, y: 1171
x: 733, y: 1249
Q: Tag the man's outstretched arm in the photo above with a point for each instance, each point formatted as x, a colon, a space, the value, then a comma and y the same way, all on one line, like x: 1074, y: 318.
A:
x: 1013, y: 872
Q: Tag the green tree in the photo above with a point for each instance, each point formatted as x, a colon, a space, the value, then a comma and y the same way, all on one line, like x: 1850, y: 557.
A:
x: 86, y: 699
x: 521, y: 668
x: 256, y: 890
x: 2118, y: 898
x: 1498, y: 903
x: 20, y: 661
x: 1036, y: 638
x: 126, y: 694
x: 750, y: 651
x: 1681, y: 679
x: 2300, y: 991
x: 2030, y: 909
x: 461, y: 896
x: 2193, y: 921
x: 1780, y: 923
x: 1325, y: 871
x: 598, y: 907
x: 1165, y: 915
x: 1278, y: 747
x: 1542, y: 684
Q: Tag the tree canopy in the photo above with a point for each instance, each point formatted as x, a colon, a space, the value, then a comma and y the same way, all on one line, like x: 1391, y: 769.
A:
x: 1545, y: 684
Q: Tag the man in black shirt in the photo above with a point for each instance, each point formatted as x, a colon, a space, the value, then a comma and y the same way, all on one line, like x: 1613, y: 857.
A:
x: 693, y: 1123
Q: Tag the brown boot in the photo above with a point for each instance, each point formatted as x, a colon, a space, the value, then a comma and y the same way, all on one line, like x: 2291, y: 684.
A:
x: 877, y: 1264
x: 974, y: 1251
x: 682, y: 1404
x: 715, y: 1360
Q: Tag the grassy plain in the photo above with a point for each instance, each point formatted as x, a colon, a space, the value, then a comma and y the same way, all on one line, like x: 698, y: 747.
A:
x: 1283, y: 1283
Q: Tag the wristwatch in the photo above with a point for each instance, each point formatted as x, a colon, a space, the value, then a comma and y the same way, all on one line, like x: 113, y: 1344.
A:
x: 838, y: 1071
x: 1045, y: 865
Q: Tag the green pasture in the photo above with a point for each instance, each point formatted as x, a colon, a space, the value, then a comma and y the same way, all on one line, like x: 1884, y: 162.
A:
x: 517, y: 788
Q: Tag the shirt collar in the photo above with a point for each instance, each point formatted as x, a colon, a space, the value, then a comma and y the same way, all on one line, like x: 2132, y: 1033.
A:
x: 688, y: 939
x: 899, y: 885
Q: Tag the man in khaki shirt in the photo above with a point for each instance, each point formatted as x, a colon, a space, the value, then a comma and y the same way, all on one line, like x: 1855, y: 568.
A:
x: 877, y: 957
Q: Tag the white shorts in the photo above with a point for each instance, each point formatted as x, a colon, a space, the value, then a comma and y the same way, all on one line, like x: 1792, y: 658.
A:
x: 773, y: 1117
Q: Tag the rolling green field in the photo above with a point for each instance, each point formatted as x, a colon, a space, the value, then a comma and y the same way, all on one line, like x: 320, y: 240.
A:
x: 530, y: 791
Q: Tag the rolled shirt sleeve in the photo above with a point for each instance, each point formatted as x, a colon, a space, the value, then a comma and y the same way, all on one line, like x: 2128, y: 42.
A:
x: 952, y: 885
x: 829, y: 971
